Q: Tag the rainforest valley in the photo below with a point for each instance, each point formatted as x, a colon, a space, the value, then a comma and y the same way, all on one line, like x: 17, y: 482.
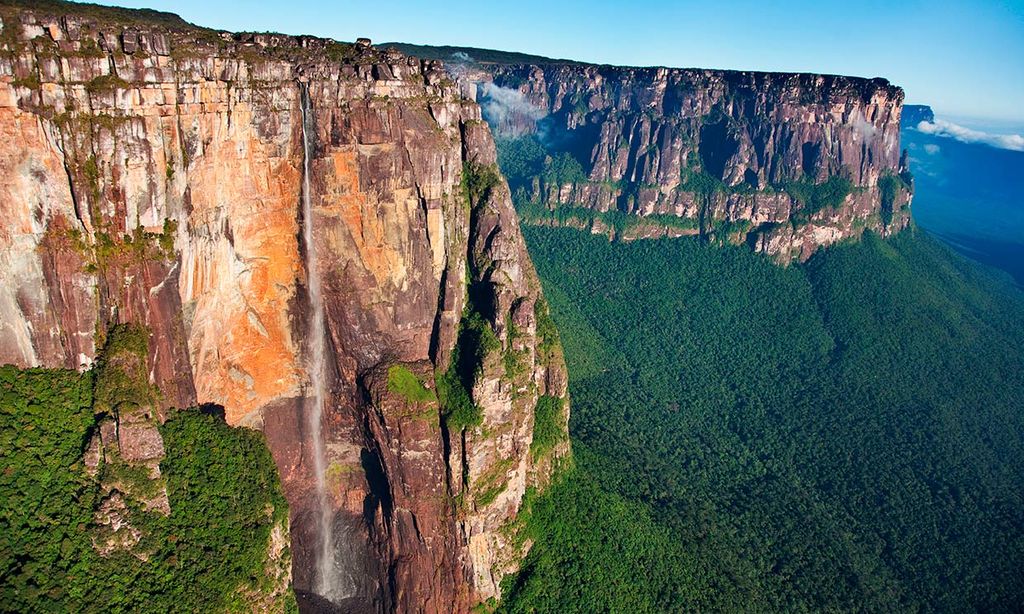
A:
x: 843, y: 434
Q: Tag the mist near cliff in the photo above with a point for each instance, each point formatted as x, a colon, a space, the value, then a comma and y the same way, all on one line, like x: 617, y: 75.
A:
x: 508, y: 111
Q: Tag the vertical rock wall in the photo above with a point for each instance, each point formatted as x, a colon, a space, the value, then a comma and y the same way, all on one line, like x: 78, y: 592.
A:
x: 151, y: 172
x: 721, y: 148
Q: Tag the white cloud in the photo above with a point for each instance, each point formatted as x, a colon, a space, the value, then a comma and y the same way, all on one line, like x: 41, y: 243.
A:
x: 931, y: 149
x: 863, y: 127
x: 508, y: 111
x: 941, y: 127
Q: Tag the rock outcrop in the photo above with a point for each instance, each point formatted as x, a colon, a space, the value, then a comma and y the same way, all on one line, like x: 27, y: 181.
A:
x: 914, y: 114
x: 784, y: 162
x: 151, y: 172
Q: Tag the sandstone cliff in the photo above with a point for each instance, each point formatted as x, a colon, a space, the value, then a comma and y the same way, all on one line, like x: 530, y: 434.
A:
x: 784, y: 162
x: 152, y: 172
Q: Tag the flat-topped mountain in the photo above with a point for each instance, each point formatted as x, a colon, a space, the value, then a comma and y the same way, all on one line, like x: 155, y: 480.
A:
x: 784, y: 162
x: 316, y: 238
x: 914, y: 114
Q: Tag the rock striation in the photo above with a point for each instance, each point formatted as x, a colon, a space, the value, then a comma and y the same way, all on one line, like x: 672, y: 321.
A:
x: 784, y: 162
x: 151, y: 172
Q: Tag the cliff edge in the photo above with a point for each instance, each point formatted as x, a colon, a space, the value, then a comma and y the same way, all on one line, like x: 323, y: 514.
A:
x: 784, y: 162
x: 155, y: 173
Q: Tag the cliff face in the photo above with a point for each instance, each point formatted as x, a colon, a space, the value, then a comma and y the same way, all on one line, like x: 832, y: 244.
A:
x: 153, y: 173
x: 784, y: 162
x: 914, y: 114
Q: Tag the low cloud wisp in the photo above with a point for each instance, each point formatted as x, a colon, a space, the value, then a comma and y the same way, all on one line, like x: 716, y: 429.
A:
x: 508, y: 111
x: 863, y: 127
x: 941, y: 127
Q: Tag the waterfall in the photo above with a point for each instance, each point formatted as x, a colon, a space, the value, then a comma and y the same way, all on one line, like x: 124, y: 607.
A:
x: 328, y: 581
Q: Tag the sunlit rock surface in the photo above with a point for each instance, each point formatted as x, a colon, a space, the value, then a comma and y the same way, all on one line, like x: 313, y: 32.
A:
x: 643, y: 134
x: 150, y: 172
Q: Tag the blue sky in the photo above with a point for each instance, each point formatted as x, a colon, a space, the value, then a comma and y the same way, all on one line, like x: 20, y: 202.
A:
x: 966, y: 59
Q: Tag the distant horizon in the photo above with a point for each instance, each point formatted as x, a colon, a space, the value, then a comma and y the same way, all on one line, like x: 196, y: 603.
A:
x: 987, y: 124
x: 941, y: 56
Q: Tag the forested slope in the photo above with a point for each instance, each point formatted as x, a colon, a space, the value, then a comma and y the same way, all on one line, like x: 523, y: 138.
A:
x: 91, y: 528
x: 844, y: 434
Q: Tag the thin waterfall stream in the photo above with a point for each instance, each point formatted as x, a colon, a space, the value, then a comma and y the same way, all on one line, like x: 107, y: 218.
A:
x: 328, y: 576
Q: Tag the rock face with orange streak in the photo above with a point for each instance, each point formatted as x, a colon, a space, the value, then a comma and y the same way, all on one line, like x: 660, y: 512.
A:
x: 41, y: 323
x: 152, y: 172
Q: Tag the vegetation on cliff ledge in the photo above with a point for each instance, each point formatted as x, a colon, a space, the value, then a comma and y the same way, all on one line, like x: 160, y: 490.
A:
x: 475, y: 341
x: 477, y: 182
x: 889, y: 188
x: 404, y: 382
x: 814, y: 197
x: 840, y: 435
x: 548, y: 425
x: 209, y: 554
x: 536, y: 175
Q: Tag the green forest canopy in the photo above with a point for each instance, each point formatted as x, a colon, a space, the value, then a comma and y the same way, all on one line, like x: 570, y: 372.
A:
x: 844, y: 434
x: 224, y: 497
